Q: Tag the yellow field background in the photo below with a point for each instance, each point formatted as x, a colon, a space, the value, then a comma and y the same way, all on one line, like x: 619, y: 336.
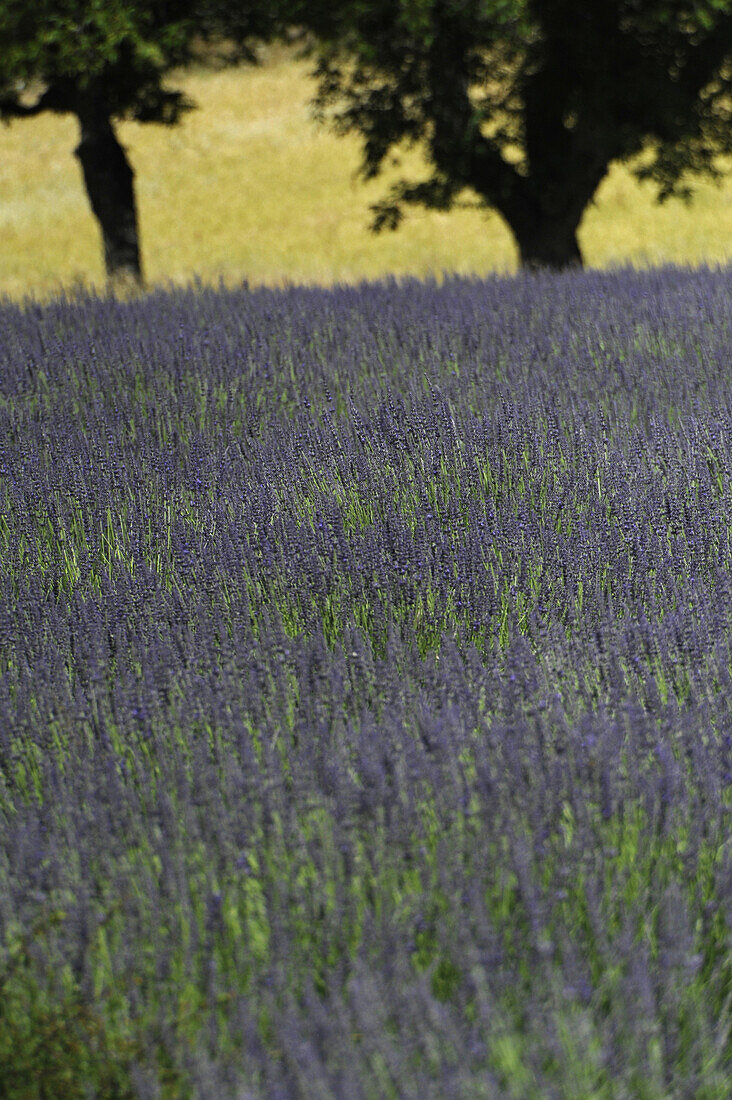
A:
x: 249, y: 187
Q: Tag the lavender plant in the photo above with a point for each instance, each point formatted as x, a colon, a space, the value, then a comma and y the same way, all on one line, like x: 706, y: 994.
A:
x: 365, y: 678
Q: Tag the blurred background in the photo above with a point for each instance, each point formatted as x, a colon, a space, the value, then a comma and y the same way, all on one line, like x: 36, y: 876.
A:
x: 249, y: 186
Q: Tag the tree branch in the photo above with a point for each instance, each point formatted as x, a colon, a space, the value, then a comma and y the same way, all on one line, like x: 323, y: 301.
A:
x: 51, y: 100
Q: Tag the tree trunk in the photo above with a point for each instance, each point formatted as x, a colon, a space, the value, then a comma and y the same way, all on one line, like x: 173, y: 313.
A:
x: 547, y: 242
x: 108, y: 178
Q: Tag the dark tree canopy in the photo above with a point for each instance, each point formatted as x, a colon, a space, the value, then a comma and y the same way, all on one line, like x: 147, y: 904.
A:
x: 526, y: 103
x: 105, y: 60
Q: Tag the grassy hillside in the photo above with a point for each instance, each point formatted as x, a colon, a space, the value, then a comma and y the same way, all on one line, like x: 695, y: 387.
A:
x: 249, y: 187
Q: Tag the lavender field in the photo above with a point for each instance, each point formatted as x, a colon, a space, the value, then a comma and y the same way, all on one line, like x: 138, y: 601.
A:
x: 366, y: 691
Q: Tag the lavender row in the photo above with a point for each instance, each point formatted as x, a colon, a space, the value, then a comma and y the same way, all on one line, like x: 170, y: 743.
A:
x: 365, y: 685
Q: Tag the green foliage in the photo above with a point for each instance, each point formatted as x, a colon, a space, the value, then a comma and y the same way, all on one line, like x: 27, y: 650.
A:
x: 119, y: 52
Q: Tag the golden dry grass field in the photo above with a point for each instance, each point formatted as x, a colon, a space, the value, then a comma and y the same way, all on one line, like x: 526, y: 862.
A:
x: 249, y: 187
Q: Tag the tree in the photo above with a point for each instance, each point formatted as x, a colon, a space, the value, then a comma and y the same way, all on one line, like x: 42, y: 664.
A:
x: 526, y: 103
x: 105, y: 60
